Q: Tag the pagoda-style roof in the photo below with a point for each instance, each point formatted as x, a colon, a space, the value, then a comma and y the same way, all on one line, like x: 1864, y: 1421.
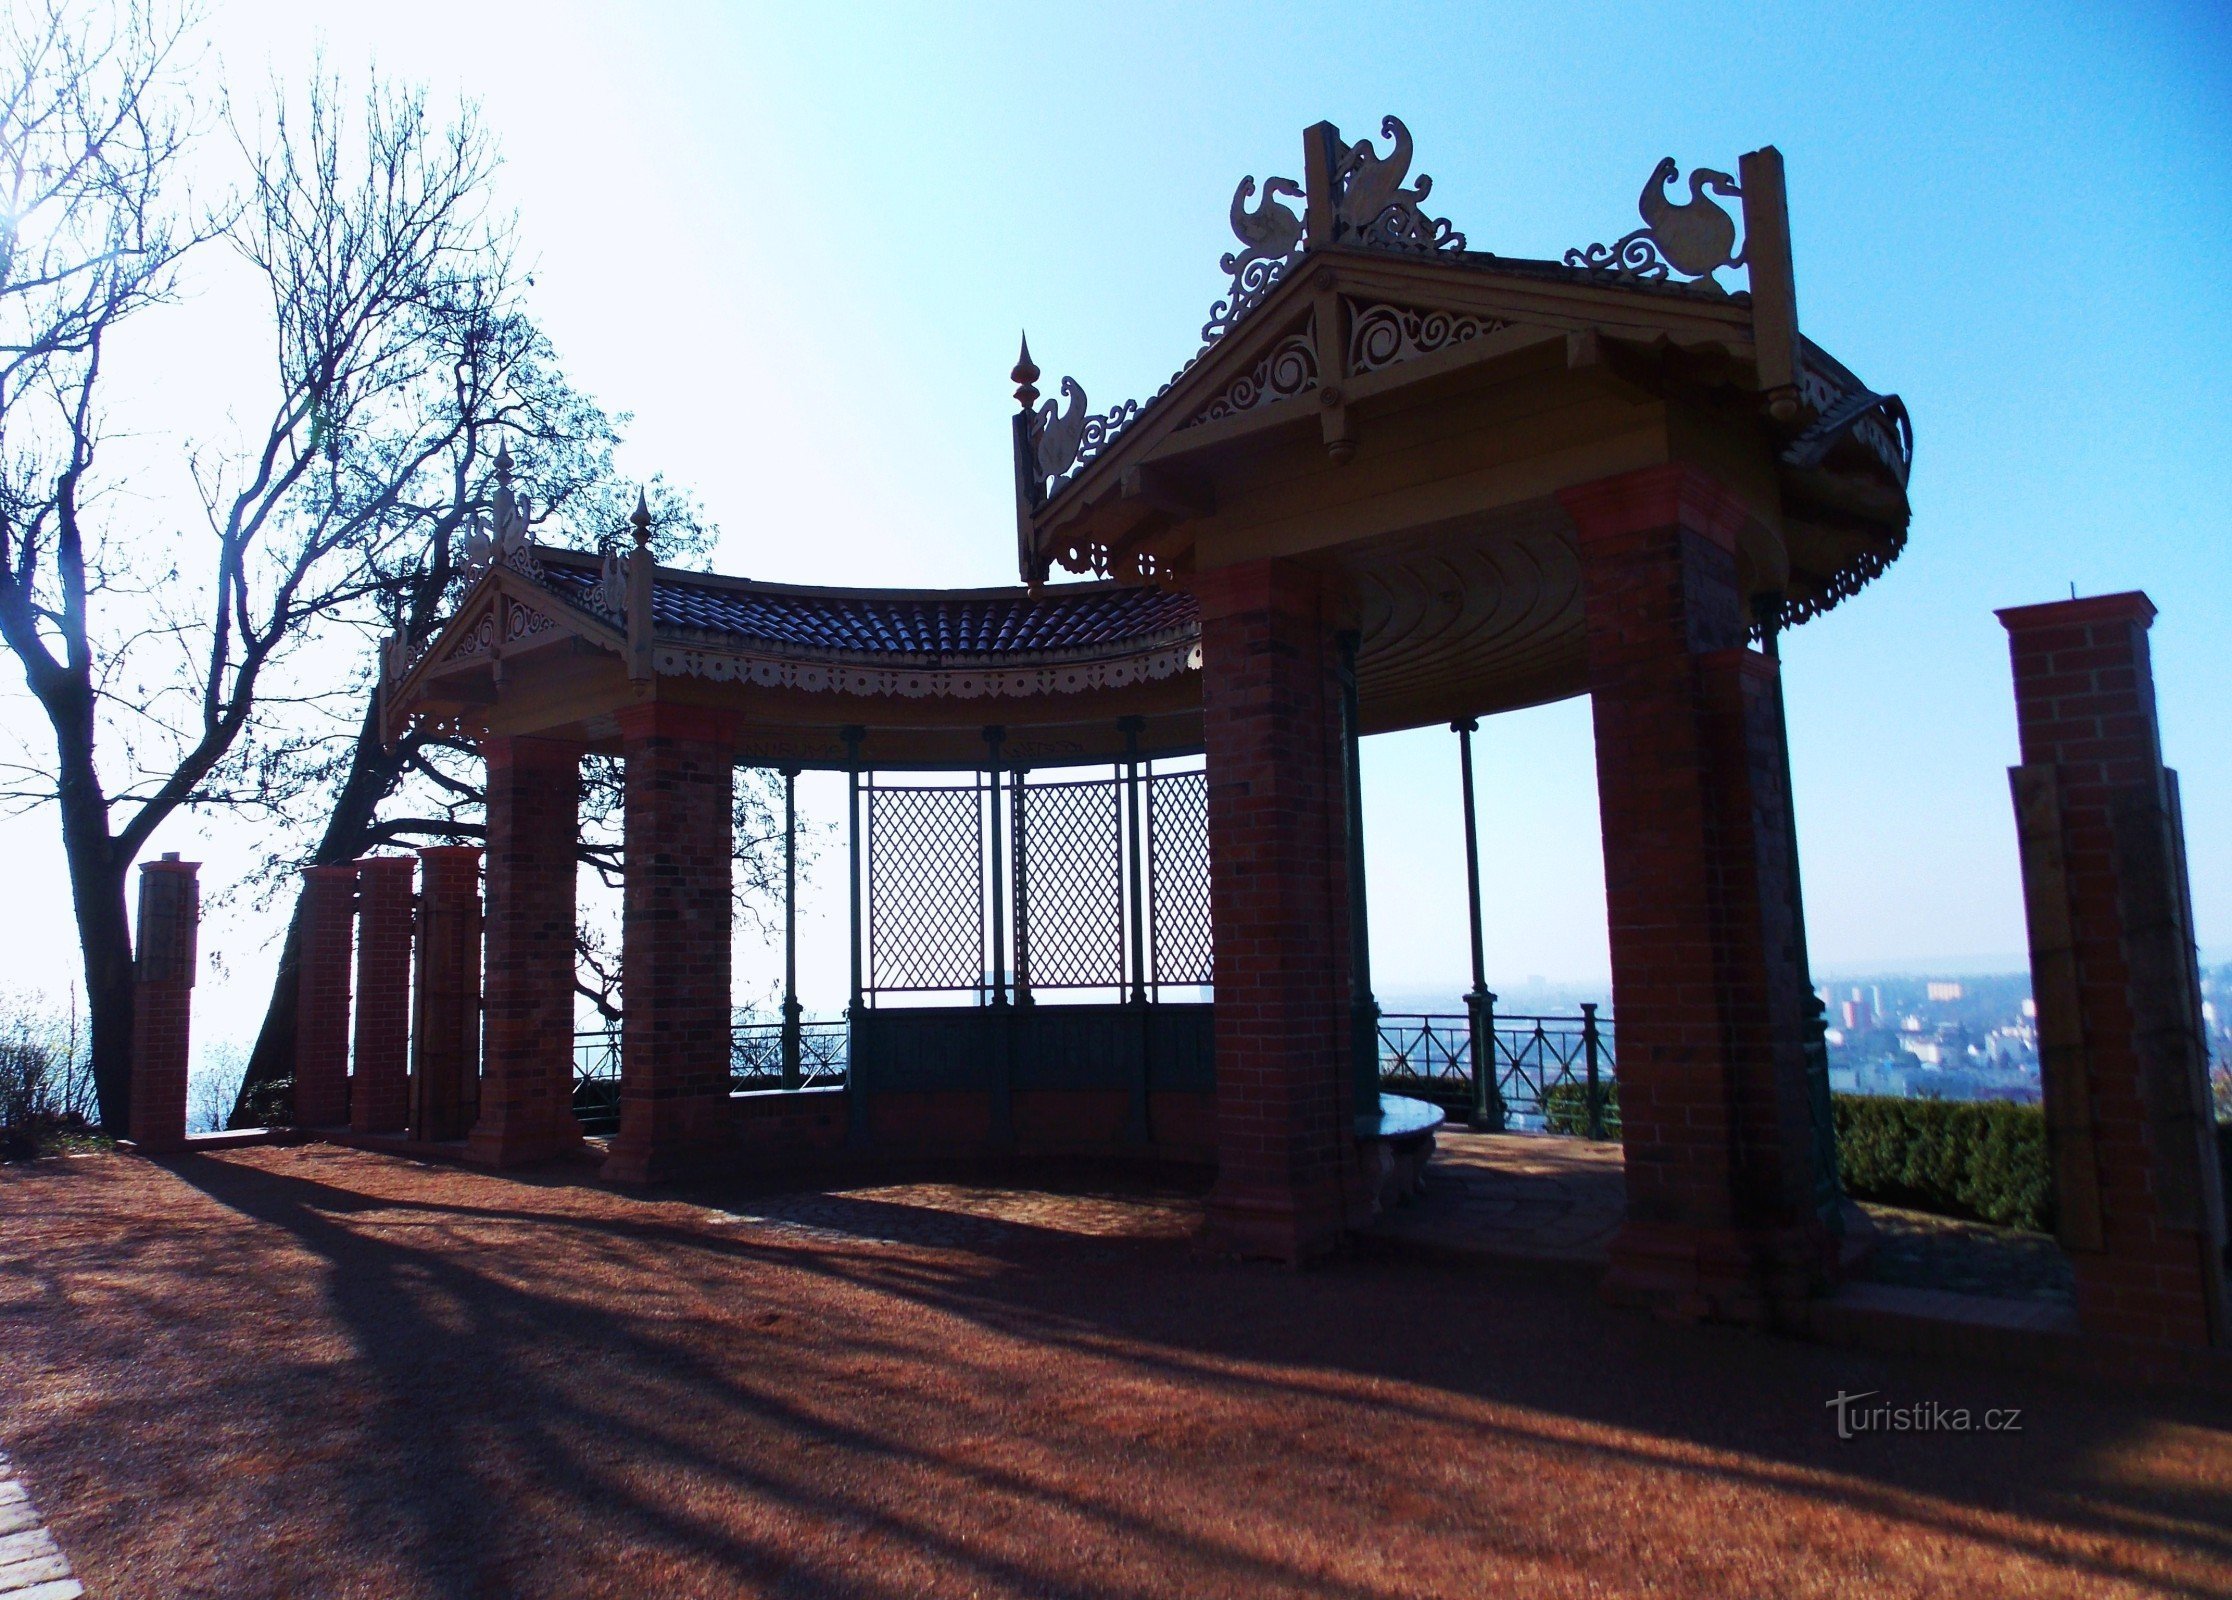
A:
x: 557, y: 642
x: 882, y: 626
x: 1372, y: 397
x: 1377, y: 397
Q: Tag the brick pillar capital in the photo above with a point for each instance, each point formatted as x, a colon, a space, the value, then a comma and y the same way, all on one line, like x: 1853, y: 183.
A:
x: 1280, y: 588
x: 2130, y: 606
x: 1675, y: 495
x: 659, y: 719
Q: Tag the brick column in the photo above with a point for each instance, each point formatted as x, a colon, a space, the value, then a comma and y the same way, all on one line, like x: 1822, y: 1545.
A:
x: 380, y: 1088
x: 162, y: 1014
x: 674, y: 1030
x: 446, y: 1008
x: 534, y: 805
x: 321, y: 1076
x: 2122, y: 1054
x: 1724, y: 1201
x: 1286, y: 1145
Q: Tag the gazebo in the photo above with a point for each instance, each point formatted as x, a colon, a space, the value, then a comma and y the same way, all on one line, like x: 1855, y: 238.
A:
x: 1402, y: 482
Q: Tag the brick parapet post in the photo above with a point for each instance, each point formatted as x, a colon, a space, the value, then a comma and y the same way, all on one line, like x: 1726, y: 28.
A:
x: 2123, y: 1055
x: 1723, y: 1193
x: 534, y: 806
x: 1287, y: 1184
x: 380, y: 1087
x: 446, y: 1000
x: 675, y: 1116
x: 163, y: 995
x: 321, y: 1079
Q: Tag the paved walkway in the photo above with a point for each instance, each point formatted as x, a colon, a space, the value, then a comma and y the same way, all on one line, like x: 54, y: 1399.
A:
x: 32, y: 1566
x: 1542, y: 1198
x: 1516, y: 1194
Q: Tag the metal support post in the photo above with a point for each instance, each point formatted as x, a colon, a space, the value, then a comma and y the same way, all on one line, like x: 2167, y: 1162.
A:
x: 792, y: 1011
x: 852, y: 738
x: 993, y: 736
x: 1021, y: 787
x: 1363, y: 1008
x: 1591, y: 1047
x: 1480, y: 1005
x: 1131, y: 727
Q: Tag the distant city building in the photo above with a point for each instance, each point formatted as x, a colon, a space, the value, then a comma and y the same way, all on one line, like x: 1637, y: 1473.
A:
x: 1943, y: 992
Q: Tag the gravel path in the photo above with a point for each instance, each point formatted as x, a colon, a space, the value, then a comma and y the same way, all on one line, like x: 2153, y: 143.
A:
x: 312, y: 1371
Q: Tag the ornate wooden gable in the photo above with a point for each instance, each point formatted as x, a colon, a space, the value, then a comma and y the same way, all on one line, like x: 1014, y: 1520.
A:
x: 1342, y: 310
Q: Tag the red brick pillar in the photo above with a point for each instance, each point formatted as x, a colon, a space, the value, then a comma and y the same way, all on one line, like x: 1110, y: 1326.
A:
x: 2122, y: 1054
x: 321, y: 1076
x: 1724, y: 1192
x: 675, y: 1115
x: 534, y: 804
x: 162, y: 1014
x: 1286, y: 1145
x: 380, y: 1088
x: 446, y: 1012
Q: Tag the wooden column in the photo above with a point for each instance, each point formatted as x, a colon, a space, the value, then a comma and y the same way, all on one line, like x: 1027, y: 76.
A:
x: 534, y: 807
x: 1707, y: 967
x: 675, y: 1028
x: 2122, y: 1052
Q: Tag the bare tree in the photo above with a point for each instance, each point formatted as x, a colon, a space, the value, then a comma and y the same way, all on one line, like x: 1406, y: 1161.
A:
x: 385, y: 272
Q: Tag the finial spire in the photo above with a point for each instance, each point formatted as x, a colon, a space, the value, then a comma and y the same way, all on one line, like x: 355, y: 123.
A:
x: 640, y: 520
x: 1025, y: 376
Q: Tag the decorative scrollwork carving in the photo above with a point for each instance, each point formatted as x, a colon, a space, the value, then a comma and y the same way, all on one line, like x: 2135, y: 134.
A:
x: 1695, y: 237
x: 1056, y: 433
x: 1102, y: 428
x: 1372, y: 206
x: 1286, y: 371
x: 1382, y: 335
x: 1271, y: 236
x: 1062, y: 441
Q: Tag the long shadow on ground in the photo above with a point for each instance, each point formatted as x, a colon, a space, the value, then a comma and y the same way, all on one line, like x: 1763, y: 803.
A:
x: 450, y: 1384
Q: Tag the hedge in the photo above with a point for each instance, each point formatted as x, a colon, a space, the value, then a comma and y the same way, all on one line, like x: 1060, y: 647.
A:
x: 1981, y: 1159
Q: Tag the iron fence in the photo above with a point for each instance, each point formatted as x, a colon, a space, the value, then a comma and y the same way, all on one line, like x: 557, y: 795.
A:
x: 756, y: 1055
x: 1553, y: 1074
x: 755, y: 1062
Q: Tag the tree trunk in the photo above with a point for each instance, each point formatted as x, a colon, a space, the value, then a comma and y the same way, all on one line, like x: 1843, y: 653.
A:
x: 373, y: 770
x: 104, y: 930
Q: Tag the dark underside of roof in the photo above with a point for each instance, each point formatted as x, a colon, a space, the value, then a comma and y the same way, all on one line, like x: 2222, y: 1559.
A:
x: 1064, y: 617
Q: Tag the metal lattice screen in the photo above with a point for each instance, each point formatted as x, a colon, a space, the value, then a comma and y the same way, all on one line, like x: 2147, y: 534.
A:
x: 926, y: 888
x: 1069, y: 844
x: 1178, y: 851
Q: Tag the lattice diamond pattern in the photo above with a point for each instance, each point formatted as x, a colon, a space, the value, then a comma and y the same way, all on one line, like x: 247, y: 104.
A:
x: 1178, y: 848
x: 926, y: 888
x: 1072, y: 850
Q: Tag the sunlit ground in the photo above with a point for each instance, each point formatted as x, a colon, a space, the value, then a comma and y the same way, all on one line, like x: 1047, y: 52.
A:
x: 313, y: 1371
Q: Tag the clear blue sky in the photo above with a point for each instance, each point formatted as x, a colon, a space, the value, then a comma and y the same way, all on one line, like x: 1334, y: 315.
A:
x: 798, y: 244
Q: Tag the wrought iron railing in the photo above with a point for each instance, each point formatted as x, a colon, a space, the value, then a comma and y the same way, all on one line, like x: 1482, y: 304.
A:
x: 1553, y: 1074
x: 755, y: 1062
x: 596, y: 1088
x: 756, y: 1055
